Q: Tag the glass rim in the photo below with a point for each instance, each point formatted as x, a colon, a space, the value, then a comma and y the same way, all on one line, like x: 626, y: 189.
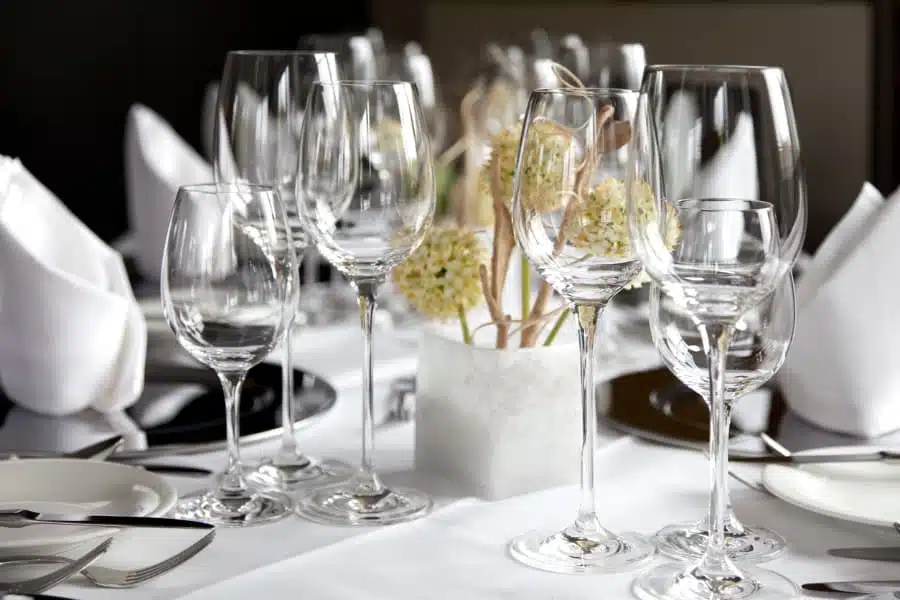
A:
x: 227, y: 187
x: 362, y: 83
x: 713, y: 68
x: 735, y: 205
x: 591, y: 91
x: 285, y: 53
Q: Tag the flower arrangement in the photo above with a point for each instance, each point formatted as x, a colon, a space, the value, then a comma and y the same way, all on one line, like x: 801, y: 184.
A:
x: 451, y: 273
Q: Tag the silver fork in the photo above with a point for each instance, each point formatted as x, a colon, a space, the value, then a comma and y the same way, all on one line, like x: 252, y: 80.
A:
x: 45, y: 582
x: 124, y: 578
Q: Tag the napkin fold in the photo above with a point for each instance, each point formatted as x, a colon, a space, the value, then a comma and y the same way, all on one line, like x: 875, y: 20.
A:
x: 841, y: 372
x: 71, y: 333
x: 157, y: 163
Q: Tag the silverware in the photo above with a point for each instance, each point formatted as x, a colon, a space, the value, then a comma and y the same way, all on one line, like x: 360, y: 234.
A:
x: 98, y: 451
x: 809, y: 459
x: 125, y: 578
x: 753, y: 486
x: 182, y: 470
x: 885, y: 553
x: 33, y: 597
x: 22, y: 518
x: 45, y: 582
x: 861, y: 587
x: 773, y: 445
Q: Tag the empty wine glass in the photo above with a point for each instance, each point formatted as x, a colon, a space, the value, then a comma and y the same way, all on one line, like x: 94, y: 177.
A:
x: 757, y: 350
x: 715, y: 163
x: 228, y: 275
x: 259, y: 111
x: 568, y: 216
x: 367, y: 195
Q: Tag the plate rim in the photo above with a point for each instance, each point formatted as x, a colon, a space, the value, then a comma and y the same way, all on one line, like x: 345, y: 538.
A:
x: 767, y: 477
x: 165, y: 491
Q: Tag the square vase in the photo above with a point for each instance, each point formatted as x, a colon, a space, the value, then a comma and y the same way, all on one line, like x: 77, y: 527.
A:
x: 498, y: 423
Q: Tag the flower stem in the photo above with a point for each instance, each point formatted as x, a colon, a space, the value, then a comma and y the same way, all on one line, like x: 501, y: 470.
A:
x: 464, y: 325
x: 556, y: 327
x: 525, y: 268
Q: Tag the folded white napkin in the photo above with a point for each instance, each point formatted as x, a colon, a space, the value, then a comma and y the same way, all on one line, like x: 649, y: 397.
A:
x: 841, y: 372
x: 157, y: 162
x: 71, y: 333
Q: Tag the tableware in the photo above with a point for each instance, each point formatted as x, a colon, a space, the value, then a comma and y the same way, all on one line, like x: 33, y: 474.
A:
x: 24, y: 517
x: 228, y: 287
x: 885, y: 553
x: 98, y: 451
x: 570, y: 144
x: 854, y: 587
x: 758, y: 347
x: 367, y: 197
x: 33, y: 597
x: 259, y: 112
x: 811, y: 459
x: 182, y: 470
x: 75, y: 486
x: 715, y: 164
x: 45, y: 582
x: 126, y: 578
x: 833, y: 489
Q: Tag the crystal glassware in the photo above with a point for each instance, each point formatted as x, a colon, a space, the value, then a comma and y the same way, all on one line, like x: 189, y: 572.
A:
x: 228, y: 275
x: 366, y: 192
x: 259, y: 111
x: 569, y: 173
x: 717, y: 213
x: 757, y: 350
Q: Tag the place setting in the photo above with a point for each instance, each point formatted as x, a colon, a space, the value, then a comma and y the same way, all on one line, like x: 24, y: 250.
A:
x: 550, y: 338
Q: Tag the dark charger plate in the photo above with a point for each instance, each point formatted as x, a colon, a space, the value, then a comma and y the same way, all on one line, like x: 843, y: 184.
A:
x: 196, y: 421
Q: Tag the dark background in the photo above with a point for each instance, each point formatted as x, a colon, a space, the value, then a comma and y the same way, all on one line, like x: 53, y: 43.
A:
x: 70, y: 70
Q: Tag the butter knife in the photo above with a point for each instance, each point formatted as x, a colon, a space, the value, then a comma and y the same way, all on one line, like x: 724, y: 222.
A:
x: 22, y: 518
x: 885, y: 553
x: 810, y: 459
x: 861, y: 587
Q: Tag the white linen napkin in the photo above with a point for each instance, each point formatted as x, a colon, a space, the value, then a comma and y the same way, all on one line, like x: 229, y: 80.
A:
x: 157, y: 162
x: 71, y: 333
x: 841, y: 372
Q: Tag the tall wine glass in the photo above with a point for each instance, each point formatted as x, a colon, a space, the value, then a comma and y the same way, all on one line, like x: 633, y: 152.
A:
x: 715, y: 161
x: 757, y: 350
x: 568, y: 216
x: 366, y: 192
x: 259, y: 112
x: 228, y: 274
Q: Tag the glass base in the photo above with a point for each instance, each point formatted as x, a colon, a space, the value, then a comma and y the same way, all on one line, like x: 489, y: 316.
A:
x: 561, y: 552
x: 677, y: 581
x: 298, y: 472
x: 688, y: 541
x: 252, y: 508
x: 351, y: 505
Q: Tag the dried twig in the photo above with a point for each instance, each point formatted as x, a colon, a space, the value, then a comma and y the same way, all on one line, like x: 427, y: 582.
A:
x: 501, y: 320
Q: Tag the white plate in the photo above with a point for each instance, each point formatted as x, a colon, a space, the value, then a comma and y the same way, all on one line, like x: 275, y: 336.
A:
x: 864, y: 492
x: 75, y: 487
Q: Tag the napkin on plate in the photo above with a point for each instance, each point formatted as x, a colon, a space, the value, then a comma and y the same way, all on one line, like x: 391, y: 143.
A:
x: 841, y: 372
x: 157, y: 162
x: 71, y: 333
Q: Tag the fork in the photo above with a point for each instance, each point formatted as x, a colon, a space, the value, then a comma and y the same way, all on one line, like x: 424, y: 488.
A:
x: 125, y: 578
x: 45, y: 582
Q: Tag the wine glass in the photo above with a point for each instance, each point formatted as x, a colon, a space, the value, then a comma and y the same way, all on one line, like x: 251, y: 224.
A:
x: 228, y: 274
x: 568, y: 216
x: 366, y: 192
x: 715, y: 165
x: 259, y: 111
x: 757, y: 350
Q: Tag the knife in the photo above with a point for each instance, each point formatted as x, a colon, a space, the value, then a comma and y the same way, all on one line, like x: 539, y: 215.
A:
x: 861, y: 587
x: 809, y: 459
x: 885, y: 553
x: 4, y: 596
x: 174, y: 470
x: 21, y: 518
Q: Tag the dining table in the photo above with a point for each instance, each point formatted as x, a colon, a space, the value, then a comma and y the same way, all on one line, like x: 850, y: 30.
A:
x: 460, y: 549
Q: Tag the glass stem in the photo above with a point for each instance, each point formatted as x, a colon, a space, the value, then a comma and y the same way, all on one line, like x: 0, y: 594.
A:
x: 288, y: 451
x: 587, y: 523
x: 715, y: 564
x: 367, y: 480
x: 233, y: 482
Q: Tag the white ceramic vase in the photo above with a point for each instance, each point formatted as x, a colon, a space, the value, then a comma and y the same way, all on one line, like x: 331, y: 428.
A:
x: 498, y: 423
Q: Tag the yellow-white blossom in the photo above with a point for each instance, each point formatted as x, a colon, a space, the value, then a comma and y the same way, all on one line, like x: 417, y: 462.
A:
x: 547, y: 169
x: 442, y: 276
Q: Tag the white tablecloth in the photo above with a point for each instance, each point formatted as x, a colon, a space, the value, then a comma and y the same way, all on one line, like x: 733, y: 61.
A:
x: 460, y: 550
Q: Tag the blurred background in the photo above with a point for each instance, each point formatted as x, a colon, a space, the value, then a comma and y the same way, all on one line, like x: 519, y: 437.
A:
x: 70, y: 70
